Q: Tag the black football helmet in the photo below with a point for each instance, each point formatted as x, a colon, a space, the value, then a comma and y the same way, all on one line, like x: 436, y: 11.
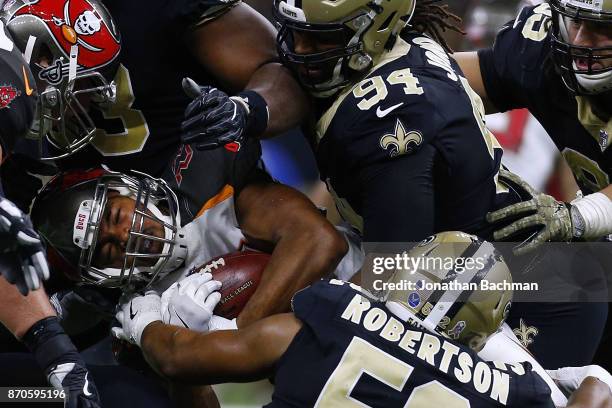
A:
x: 69, y: 213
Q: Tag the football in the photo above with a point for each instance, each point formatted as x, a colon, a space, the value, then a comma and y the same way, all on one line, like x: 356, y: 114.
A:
x: 239, y: 274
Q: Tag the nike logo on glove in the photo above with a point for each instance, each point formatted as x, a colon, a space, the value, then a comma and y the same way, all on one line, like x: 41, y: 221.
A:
x: 132, y: 314
x: 182, y: 321
x: 382, y: 113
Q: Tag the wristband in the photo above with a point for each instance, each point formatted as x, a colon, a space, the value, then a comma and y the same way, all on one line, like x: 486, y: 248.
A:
x: 49, y: 343
x: 258, y: 112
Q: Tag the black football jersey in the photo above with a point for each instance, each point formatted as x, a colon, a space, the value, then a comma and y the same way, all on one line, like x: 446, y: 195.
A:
x: 406, y: 152
x: 351, y: 351
x: 201, y: 177
x: 17, y: 96
x: 142, y: 129
x: 518, y: 73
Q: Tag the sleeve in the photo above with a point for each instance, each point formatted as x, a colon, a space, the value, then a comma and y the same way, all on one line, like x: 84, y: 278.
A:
x: 191, y: 13
x: 531, y: 391
x: 320, y: 301
x: 398, y: 198
x: 512, y: 70
x: 395, y: 157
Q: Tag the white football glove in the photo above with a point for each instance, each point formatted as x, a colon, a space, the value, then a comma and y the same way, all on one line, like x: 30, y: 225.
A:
x: 570, y: 378
x: 135, y: 314
x: 190, y: 302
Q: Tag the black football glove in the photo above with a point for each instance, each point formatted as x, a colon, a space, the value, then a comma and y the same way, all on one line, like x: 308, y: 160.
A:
x: 22, y: 255
x: 214, y: 119
x: 74, y: 379
x: 62, y: 363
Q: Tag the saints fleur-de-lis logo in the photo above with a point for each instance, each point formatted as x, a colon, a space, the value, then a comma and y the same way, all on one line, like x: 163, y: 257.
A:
x: 525, y: 333
x: 401, y: 142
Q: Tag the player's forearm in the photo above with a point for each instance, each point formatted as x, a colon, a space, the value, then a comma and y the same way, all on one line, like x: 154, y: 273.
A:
x: 304, y: 254
x: 592, y: 393
x: 24, y: 311
x: 190, y: 357
x: 287, y: 102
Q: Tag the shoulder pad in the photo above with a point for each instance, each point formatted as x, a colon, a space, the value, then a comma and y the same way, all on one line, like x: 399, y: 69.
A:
x: 16, y: 96
x: 527, y: 39
x: 324, y: 295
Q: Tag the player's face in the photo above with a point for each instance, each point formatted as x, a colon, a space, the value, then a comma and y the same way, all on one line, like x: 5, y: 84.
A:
x: 115, y: 227
x: 592, y: 35
x: 306, y: 43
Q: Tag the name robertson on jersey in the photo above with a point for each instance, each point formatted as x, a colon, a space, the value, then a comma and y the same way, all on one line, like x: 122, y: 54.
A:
x: 441, y: 354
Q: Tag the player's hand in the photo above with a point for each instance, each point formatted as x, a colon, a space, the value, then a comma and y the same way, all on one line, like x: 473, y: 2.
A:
x: 541, y: 211
x: 569, y: 378
x: 22, y: 255
x: 213, y: 119
x: 190, y: 302
x: 135, y: 314
x: 74, y: 379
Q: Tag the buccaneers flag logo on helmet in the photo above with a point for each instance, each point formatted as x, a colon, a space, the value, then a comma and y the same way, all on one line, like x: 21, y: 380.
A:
x: 75, y: 22
x: 7, y: 94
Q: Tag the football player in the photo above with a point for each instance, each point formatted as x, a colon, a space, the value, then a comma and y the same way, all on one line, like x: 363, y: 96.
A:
x: 116, y: 95
x: 401, y: 139
x: 556, y: 60
x: 131, y: 230
x: 31, y: 318
x: 349, y: 348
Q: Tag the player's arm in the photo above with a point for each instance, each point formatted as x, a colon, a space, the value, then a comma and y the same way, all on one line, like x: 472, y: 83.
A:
x: 242, y: 355
x: 305, y: 245
x: 399, y: 198
x: 239, y: 50
x: 592, y: 393
x: 470, y: 65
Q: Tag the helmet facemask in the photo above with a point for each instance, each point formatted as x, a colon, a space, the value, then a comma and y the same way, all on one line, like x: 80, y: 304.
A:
x: 334, y: 67
x: 594, y: 75
x: 63, y: 119
x: 152, y: 248
x: 350, y: 36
